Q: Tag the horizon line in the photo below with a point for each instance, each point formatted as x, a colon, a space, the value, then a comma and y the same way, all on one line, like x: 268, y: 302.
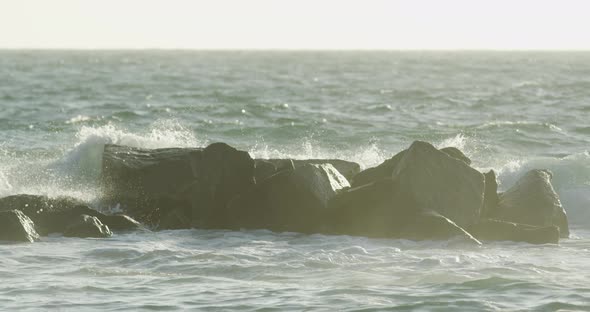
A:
x: 294, y: 49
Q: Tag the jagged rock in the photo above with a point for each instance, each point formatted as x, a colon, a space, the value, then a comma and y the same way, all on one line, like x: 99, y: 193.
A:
x: 158, y: 186
x: 367, y: 210
x: 385, y: 169
x: 16, y: 226
x: 435, y: 181
x: 87, y: 226
x: 54, y: 215
x: 291, y: 200
x: 120, y: 223
x: 347, y: 168
x: 50, y: 215
x: 532, y: 200
x: 491, y: 198
x: 378, y: 209
x: 429, y: 225
x: 456, y: 153
x: 496, y: 230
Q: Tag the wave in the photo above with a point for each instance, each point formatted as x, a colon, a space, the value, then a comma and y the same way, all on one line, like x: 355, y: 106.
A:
x: 76, y: 171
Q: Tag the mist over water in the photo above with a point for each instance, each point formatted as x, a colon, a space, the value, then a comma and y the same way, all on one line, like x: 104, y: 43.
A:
x: 510, y: 112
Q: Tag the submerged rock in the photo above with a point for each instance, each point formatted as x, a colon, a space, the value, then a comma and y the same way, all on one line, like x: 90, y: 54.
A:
x: 16, y: 226
x: 435, y: 181
x: 50, y: 215
x: 291, y: 200
x: 532, y: 200
x: 120, y: 223
x: 87, y: 226
x: 496, y: 230
x: 54, y: 215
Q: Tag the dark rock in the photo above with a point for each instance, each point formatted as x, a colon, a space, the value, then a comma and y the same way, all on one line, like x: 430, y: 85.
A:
x: 532, y: 200
x: 16, y: 226
x: 496, y: 230
x: 378, y: 209
x: 429, y: 225
x: 54, y: 215
x: 120, y: 223
x: 87, y: 226
x: 456, y: 153
x: 385, y: 169
x: 435, y: 181
x: 368, y: 210
x: 291, y: 200
x: 491, y: 198
x: 176, y: 188
x: 50, y: 215
x: 347, y: 168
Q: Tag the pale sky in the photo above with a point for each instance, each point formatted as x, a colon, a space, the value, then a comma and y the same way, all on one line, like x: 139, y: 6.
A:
x: 295, y: 24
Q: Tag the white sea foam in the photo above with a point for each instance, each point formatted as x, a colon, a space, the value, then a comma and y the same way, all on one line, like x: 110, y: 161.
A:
x: 77, y: 171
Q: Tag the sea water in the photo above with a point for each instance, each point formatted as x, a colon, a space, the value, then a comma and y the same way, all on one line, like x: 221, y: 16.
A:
x: 508, y: 111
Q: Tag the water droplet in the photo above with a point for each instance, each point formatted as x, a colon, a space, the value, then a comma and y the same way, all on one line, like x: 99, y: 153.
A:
x: 243, y: 111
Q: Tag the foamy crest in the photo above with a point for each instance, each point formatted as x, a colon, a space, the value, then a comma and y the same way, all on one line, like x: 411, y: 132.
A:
x: 366, y: 156
x: 459, y: 141
x: 77, y: 172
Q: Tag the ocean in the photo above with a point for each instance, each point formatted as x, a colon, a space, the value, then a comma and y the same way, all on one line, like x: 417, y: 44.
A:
x: 507, y: 111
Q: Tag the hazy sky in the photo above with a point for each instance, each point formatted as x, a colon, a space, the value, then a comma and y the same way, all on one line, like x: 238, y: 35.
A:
x: 295, y: 24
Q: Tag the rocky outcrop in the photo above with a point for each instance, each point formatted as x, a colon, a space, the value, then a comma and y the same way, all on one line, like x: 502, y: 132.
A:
x: 430, y: 225
x: 496, y: 230
x: 435, y: 181
x: 50, y: 215
x: 176, y: 188
x: 385, y: 169
x: 16, y: 226
x: 120, y: 223
x: 368, y: 210
x: 379, y: 209
x: 491, y: 198
x: 54, y: 215
x: 291, y: 200
x: 533, y: 201
x: 87, y: 226
x: 264, y: 167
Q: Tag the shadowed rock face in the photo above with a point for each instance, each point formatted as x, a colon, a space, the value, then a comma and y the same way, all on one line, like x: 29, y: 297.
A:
x: 532, y: 200
x: 378, y: 209
x: 54, y: 215
x: 435, y: 181
x: 491, y: 198
x: 176, y: 188
x: 50, y: 215
x: 429, y: 225
x: 291, y: 200
x: 87, y: 226
x: 16, y: 226
x: 496, y: 230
